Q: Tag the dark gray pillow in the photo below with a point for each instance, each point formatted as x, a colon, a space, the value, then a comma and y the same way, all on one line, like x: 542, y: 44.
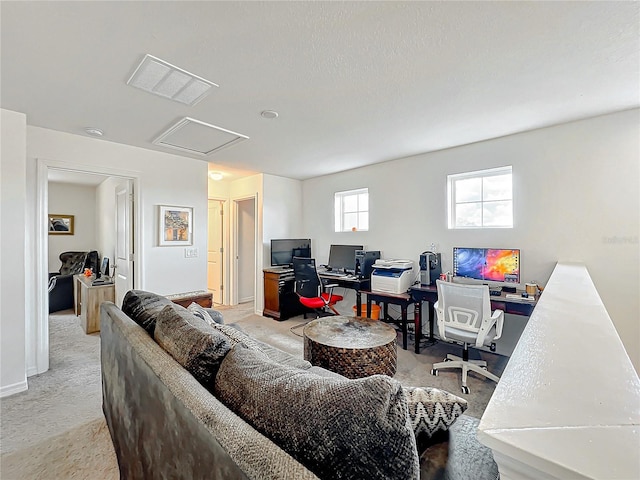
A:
x: 143, y: 307
x: 192, y: 342
x: 338, y: 428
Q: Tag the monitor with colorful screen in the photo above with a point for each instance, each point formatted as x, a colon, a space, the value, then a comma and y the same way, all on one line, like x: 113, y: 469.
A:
x: 487, y: 264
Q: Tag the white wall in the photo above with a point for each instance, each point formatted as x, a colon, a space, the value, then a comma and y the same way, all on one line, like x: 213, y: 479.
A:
x: 161, y: 179
x: 79, y: 201
x: 282, y: 212
x: 13, y: 265
x: 575, y: 199
x: 164, y: 179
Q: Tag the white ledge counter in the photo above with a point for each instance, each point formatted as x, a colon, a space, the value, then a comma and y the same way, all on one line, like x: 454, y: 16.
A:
x: 568, y: 403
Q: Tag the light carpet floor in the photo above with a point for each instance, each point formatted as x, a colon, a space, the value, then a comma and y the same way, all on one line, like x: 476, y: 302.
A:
x: 56, y: 429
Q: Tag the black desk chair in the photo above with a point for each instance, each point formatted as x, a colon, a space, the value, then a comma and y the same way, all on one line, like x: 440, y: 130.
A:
x: 310, y: 290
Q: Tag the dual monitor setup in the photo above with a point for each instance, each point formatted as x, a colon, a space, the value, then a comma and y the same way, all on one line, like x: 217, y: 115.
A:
x: 342, y: 258
x: 484, y: 264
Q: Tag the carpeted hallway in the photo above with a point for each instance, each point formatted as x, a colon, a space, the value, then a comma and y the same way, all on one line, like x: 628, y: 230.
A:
x: 56, y: 429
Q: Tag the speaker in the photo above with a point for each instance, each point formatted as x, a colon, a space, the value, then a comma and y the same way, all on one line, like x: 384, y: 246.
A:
x: 364, y: 262
x: 430, y: 268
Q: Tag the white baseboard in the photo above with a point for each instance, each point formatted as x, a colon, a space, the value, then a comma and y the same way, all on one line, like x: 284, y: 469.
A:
x: 12, y: 389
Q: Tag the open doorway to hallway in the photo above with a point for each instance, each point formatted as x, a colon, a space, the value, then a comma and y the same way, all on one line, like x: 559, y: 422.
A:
x: 245, y: 251
x: 215, y: 251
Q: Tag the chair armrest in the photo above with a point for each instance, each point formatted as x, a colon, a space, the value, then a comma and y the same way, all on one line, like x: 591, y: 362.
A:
x: 440, y: 315
x: 497, y: 319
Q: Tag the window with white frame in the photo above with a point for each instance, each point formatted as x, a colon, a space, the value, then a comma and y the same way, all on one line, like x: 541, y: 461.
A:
x: 352, y: 210
x: 482, y: 199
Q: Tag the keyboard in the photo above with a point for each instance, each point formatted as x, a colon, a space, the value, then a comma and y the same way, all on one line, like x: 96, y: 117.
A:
x: 332, y: 274
x: 515, y: 296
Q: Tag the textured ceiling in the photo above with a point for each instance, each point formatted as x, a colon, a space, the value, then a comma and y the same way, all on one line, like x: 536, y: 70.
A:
x: 354, y: 83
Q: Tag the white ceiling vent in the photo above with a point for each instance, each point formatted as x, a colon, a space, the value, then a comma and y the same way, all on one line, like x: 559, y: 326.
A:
x: 196, y: 137
x: 161, y: 78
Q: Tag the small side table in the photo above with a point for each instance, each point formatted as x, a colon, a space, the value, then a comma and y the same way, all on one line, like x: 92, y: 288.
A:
x: 87, y: 302
x: 351, y: 346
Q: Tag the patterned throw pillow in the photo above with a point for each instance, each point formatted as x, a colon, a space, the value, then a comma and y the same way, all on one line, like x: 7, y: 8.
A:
x: 431, y: 409
x: 143, y: 307
x: 192, y: 342
x: 210, y: 315
x: 337, y: 427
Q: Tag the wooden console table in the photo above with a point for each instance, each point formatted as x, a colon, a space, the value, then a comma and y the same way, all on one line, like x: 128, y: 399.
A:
x: 87, y: 300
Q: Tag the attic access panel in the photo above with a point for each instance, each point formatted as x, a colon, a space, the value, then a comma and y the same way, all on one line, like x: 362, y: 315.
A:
x: 196, y: 137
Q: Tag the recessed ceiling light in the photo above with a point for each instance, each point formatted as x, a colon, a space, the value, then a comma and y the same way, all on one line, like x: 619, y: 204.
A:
x: 161, y: 78
x: 269, y: 114
x: 216, y: 175
x: 94, y: 132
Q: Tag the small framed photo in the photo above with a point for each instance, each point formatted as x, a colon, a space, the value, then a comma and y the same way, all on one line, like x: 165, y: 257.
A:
x: 176, y: 225
x: 60, y: 224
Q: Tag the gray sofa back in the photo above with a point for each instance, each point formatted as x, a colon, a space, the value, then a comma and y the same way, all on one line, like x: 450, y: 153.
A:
x: 164, y: 424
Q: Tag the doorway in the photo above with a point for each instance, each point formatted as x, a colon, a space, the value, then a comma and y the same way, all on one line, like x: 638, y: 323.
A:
x: 215, y: 251
x: 245, y: 251
x: 38, y: 325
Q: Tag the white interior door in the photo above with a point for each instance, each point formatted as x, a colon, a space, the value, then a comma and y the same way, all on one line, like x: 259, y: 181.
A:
x: 123, y: 273
x: 215, y: 265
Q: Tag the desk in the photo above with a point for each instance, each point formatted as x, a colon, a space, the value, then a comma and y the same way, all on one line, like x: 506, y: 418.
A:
x: 348, y: 281
x: 403, y: 300
x: 429, y: 294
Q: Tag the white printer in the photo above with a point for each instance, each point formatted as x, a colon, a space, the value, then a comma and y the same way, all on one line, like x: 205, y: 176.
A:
x: 392, y: 276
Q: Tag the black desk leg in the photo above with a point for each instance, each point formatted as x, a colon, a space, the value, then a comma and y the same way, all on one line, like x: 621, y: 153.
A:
x: 432, y: 318
x: 404, y: 325
x: 359, y: 302
x: 417, y: 312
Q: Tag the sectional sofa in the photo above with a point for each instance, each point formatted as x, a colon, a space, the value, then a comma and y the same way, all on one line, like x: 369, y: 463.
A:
x: 186, y: 396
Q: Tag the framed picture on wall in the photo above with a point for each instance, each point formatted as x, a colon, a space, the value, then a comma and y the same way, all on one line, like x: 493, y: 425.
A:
x: 60, y: 224
x: 176, y: 225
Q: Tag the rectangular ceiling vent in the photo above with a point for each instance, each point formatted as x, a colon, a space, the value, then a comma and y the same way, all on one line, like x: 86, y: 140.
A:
x: 196, y: 137
x: 161, y: 78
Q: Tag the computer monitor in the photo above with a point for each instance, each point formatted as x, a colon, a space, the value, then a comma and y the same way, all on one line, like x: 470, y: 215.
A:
x: 284, y: 249
x: 487, y: 264
x: 343, y: 257
x: 104, y: 268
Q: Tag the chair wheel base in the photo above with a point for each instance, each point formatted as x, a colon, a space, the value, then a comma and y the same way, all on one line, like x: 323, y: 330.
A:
x: 434, y: 372
x: 465, y: 390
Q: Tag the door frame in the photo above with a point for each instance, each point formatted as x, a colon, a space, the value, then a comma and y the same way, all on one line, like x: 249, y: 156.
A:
x: 225, y: 247
x: 234, y: 252
x: 37, y: 327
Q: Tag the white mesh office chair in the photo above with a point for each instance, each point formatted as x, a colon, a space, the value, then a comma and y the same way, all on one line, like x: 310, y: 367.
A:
x: 464, y: 316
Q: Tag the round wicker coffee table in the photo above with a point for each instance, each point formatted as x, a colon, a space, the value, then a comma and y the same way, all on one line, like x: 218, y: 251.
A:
x: 351, y: 346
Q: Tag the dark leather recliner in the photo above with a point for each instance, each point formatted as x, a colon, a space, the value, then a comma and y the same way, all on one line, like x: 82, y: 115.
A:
x: 61, y: 282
